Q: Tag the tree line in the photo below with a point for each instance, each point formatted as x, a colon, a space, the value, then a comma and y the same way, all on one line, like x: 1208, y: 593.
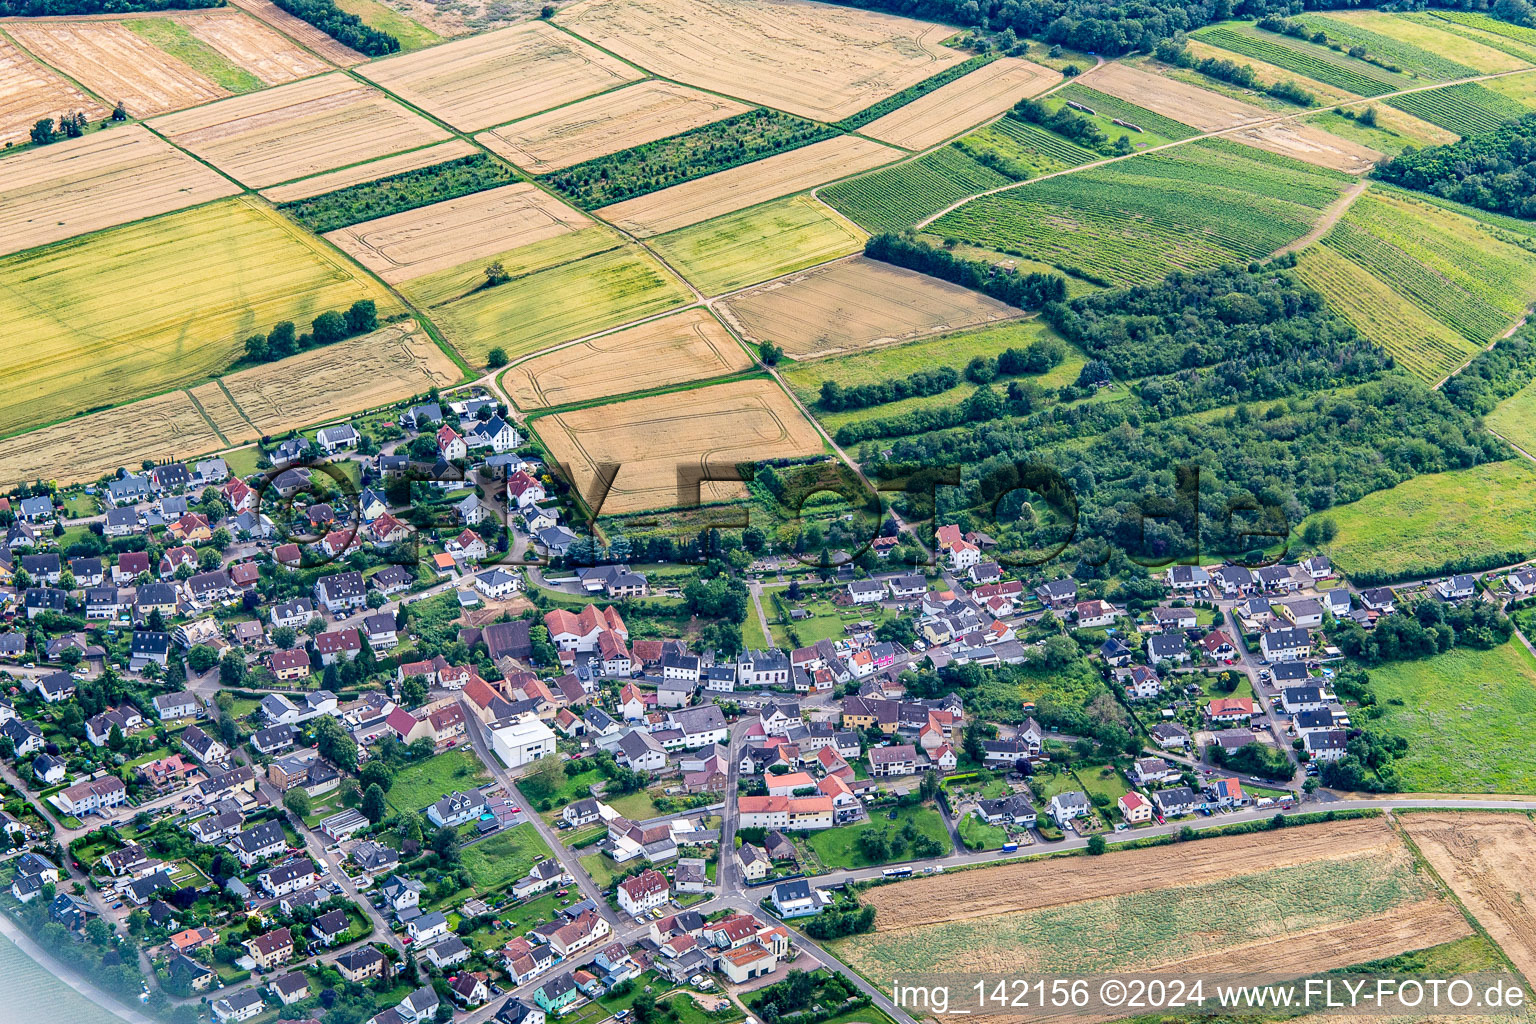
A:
x: 326, y: 329
x: 346, y: 29
x: 1026, y: 291
x: 1494, y: 171
x: 1175, y: 51
x: 55, y: 8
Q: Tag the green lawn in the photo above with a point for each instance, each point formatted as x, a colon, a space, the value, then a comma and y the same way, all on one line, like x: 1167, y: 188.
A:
x: 637, y: 806
x: 1422, y: 524
x: 1515, y: 418
x: 504, y: 856
x: 518, y: 920
x: 571, y: 788
x: 686, y: 1011
x: 420, y: 785
x: 752, y: 637
x: 826, y: 622
x: 411, y: 35
x: 1466, y: 714
x: 1104, y: 780
x: 838, y: 847
x: 600, y: 868
x: 974, y: 831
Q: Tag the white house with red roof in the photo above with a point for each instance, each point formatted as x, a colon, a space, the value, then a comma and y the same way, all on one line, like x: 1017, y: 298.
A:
x: 450, y: 445
x: 523, y: 490
x: 579, y: 631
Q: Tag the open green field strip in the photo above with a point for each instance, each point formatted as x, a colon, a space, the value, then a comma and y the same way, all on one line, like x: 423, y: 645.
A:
x: 900, y: 196
x: 1167, y: 924
x: 1466, y: 109
x: 373, y: 199
x: 1394, y: 131
x: 1112, y: 107
x: 178, y: 41
x: 1461, y: 275
x: 713, y: 147
x: 1515, y: 418
x: 1427, y: 348
x: 954, y: 350
x: 1467, y: 717
x: 1199, y: 206
x: 1304, y: 58
x: 1519, y: 87
x: 1427, y: 33
x: 1518, y: 39
x: 1413, y: 59
x: 898, y: 100
x: 412, y: 35
x: 1027, y: 146
x: 758, y: 243
x: 139, y: 309
x: 558, y: 304
x: 1424, y: 523
x: 839, y: 847
x: 505, y: 856
x: 420, y: 785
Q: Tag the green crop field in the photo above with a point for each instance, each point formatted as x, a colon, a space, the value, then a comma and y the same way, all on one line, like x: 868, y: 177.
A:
x: 1028, y: 145
x: 1198, y: 206
x: 560, y: 303
x: 1424, y: 523
x: 1459, y: 273
x: 161, y: 303
x: 1426, y: 347
x: 1160, y: 925
x: 1413, y: 59
x: 758, y: 243
x: 406, y: 191
x: 903, y: 360
x: 1515, y: 418
x: 900, y: 196
x: 1110, y: 108
x: 420, y: 785
x: 1491, y: 31
x: 1318, y: 62
x: 1521, y: 88
x: 1466, y: 714
x: 1392, y: 133
x: 1465, y: 109
x: 412, y: 36
x: 178, y: 41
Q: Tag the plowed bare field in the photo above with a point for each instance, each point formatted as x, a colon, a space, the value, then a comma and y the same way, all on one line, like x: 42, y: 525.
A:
x: 1189, y: 104
x: 1031, y: 885
x: 84, y: 448
x: 414, y: 160
x: 1488, y: 859
x: 855, y: 304
x: 30, y: 92
x: 417, y: 242
x: 690, y: 346
x: 605, y: 124
x: 811, y: 59
x: 964, y: 103
x: 653, y: 439
x: 301, y: 32
x: 93, y: 182
x: 490, y: 79
x: 1306, y: 142
x: 747, y: 185
x: 296, y: 130
x: 116, y: 63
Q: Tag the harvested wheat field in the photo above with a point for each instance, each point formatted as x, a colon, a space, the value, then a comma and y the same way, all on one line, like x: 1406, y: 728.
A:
x: 605, y: 124
x: 810, y: 59
x: 97, y: 181
x: 673, y: 350
x: 30, y: 92
x: 390, y: 364
x: 1488, y: 859
x: 372, y: 171
x: 408, y: 245
x: 253, y: 45
x: 297, y: 130
x: 964, y: 103
x: 1034, y: 884
x: 220, y: 409
x: 84, y: 448
x: 1312, y: 898
x: 727, y: 191
x: 652, y: 439
x: 1311, y: 144
x: 116, y: 63
x: 490, y: 79
x: 1189, y: 104
x: 301, y: 32
x: 855, y: 304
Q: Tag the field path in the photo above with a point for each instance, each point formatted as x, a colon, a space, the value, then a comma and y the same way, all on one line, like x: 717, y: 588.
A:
x: 1330, y: 217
